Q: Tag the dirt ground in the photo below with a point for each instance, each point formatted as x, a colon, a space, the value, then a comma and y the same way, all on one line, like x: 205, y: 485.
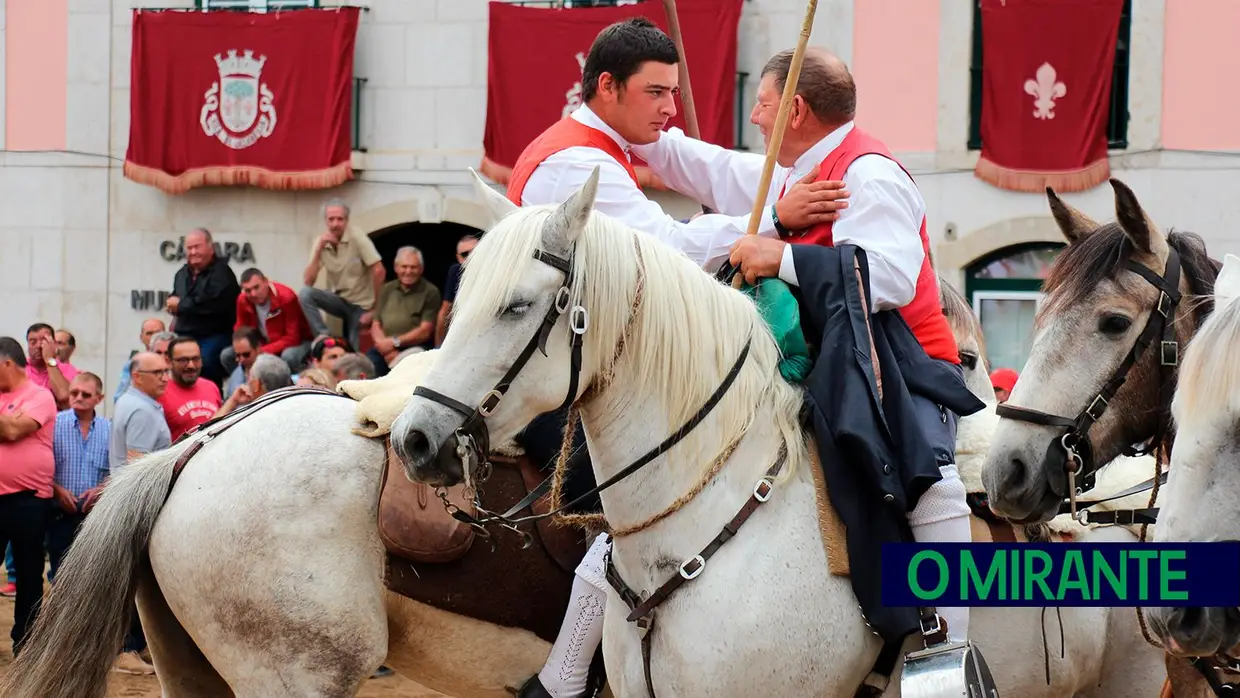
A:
x: 129, y: 686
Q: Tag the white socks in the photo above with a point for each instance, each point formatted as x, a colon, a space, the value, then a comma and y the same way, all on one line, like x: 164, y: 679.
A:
x: 568, y: 666
x: 942, y: 516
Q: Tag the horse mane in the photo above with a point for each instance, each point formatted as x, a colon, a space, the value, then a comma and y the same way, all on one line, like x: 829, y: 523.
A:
x: 686, y: 333
x: 1209, y: 381
x: 960, y: 318
x: 1102, y: 254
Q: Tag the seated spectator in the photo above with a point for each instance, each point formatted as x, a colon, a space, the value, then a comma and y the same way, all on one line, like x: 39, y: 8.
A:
x: 204, y: 301
x: 43, y: 368
x: 1003, y: 380
x: 27, y: 467
x: 188, y: 399
x: 275, y: 311
x: 326, y: 351
x: 245, y: 348
x: 150, y: 327
x: 66, y: 344
x: 353, y: 367
x: 317, y: 376
x: 343, y: 277
x: 267, y: 374
x: 464, y: 246
x: 405, y: 317
x: 81, y: 449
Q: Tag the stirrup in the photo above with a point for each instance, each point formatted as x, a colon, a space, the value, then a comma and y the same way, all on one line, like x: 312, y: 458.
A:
x: 949, y: 669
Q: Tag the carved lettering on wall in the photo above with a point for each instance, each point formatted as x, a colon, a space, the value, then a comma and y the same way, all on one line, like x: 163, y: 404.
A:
x: 174, y: 251
x: 147, y: 299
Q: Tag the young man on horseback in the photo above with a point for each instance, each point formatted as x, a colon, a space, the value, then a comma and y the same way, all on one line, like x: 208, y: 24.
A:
x: 628, y: 86
x: 885, y: 218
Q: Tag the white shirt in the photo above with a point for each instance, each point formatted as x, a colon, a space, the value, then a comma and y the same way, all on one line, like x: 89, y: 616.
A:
x: 706, y: 239
x: 883, y: 217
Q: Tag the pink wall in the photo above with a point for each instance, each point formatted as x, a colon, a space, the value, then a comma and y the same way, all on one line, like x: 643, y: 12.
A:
x: 36, y: 74
x: 1199, y: 101
x: 896, y: 65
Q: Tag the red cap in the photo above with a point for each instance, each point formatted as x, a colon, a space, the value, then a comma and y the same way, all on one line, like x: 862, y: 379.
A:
x: 1004, y: 378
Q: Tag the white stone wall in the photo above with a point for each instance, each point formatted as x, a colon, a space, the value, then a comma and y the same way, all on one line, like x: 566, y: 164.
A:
x: 77, y: 236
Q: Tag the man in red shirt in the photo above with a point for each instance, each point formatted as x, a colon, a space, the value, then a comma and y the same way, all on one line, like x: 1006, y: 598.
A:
x: 276, y: 311
x: 27, y: 468
x: 189, y: 399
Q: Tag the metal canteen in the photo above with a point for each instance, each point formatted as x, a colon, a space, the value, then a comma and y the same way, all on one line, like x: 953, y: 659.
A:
x: 951, y: 670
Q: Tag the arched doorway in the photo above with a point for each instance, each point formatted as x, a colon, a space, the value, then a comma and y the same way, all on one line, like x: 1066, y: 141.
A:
x: 437, y: 241
x: 1005, y: 288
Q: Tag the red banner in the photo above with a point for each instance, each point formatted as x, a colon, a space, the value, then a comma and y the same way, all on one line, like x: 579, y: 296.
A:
x: 536, y: 56
x: 1046, y: 91
x: 236, y: 98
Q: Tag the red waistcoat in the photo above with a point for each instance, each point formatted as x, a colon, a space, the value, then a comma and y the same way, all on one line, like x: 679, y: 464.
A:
x: 562, y: 135
x: 924, y: 314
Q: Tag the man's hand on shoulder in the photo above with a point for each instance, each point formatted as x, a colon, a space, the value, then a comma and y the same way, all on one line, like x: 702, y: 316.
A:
x: 808, y: 203
x: 758, y: 257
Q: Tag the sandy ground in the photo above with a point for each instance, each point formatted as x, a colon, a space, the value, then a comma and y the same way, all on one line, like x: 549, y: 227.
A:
x: 129, y: 686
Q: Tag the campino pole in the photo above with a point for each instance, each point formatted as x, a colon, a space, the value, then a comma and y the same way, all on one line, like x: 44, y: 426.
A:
x: 781, y: 122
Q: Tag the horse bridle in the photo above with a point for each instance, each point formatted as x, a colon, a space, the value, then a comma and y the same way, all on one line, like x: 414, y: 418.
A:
x: 1079, y: 461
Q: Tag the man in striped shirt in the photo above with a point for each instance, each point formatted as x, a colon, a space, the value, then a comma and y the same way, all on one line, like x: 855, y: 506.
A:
x: 80, y: 446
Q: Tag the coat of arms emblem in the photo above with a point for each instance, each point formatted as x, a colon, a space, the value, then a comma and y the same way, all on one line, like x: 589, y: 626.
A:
x: 238, y: 109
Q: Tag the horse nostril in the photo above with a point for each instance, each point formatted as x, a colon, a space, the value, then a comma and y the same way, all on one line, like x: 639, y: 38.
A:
x: 1018, y: 472
x: 418, y: 449
x: 1189, y: 619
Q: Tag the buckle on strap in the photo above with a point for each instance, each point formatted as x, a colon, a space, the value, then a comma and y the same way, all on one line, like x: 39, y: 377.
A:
x: 1170, y: 353
x: 690, y: 574
x: 762, y: 490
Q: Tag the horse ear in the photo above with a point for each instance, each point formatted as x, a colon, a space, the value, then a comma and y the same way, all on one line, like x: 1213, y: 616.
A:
x: 570, y: 217
x: 495, y: 203
x: 1137, y: 223
x: 1227, y: 285
x: 1074, y: 224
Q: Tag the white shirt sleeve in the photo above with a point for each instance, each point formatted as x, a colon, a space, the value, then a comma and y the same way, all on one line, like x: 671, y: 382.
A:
x: 706, y: 239
x: 724, y: 180
x: 883, y: 218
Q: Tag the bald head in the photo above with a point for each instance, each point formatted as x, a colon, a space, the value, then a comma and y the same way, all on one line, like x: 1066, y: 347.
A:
x: 825, y: 84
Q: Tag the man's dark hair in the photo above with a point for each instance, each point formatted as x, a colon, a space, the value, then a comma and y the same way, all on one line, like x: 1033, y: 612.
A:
x: 72, y: 339
x: 40, y: 326
x: 250, y: 274
x: 11, y: 349
x: 829, y: 91
x: 621, y: 49
x: 181, y: 339
x: 249, y: 334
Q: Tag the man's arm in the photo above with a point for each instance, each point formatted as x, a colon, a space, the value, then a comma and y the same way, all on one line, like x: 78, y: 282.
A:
x: 724, y: 180
x: 884, y: 219
x: 16, y: 426
x: 705, y: 239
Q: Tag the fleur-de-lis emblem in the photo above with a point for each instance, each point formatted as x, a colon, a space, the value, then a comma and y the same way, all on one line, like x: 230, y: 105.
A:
x: 1045, y: 90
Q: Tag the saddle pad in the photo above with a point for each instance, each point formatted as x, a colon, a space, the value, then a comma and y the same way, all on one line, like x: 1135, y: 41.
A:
x: 834, y: 538
x: 381, y: 400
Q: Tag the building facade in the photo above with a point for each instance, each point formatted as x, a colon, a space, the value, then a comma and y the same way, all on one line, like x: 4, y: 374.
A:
x: 83, y: 248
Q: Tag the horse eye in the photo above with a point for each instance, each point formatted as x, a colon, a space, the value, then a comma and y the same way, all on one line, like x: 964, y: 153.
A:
x: 517, y: 308
x: 1114, y: 324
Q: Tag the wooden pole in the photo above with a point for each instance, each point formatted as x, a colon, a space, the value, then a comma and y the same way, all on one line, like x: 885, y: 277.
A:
x: 781, y: 122
x: 686, y: 90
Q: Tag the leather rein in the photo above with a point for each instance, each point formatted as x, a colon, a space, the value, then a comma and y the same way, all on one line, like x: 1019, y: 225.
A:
x: 1079, y: 462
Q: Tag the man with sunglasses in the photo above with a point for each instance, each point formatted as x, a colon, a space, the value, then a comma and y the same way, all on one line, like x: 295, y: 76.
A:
x: 464, y: 246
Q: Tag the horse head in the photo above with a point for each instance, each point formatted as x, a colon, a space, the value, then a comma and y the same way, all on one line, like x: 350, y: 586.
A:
x: 1104, y: 354
x: 1198, y: 503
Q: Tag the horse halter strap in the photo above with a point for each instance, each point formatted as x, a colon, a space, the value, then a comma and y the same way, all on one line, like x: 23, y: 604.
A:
x: 1075, y: 439
x: 473, y: 434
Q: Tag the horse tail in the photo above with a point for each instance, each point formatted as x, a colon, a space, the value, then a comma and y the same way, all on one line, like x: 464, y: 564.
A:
x: 71, y: 648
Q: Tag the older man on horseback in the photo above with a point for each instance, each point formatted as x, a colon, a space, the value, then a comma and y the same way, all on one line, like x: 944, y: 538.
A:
x: 628, y: 86
x: 885, y: 217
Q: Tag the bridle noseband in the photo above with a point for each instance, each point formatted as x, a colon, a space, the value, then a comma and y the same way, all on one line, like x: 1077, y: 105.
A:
x: 1079, y: 461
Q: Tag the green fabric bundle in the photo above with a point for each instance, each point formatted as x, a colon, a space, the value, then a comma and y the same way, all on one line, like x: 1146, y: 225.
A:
x: 783, y: 315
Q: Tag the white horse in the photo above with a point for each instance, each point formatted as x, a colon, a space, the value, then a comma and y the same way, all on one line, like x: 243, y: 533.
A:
x: 1198, y: 503
x: 765, y: 617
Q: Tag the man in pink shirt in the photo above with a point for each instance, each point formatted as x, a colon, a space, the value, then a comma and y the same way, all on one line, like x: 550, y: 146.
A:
x: 44, y: 369
x: 27, y: 467
x: 189, y: 399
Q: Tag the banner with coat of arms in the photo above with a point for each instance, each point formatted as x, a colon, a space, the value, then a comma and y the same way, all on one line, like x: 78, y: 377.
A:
x: 537, y: 54
x: 241, y: 98
x: 1046, y: 90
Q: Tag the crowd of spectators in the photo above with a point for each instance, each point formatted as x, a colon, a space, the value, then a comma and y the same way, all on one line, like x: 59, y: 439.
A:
x: 229, y: 340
